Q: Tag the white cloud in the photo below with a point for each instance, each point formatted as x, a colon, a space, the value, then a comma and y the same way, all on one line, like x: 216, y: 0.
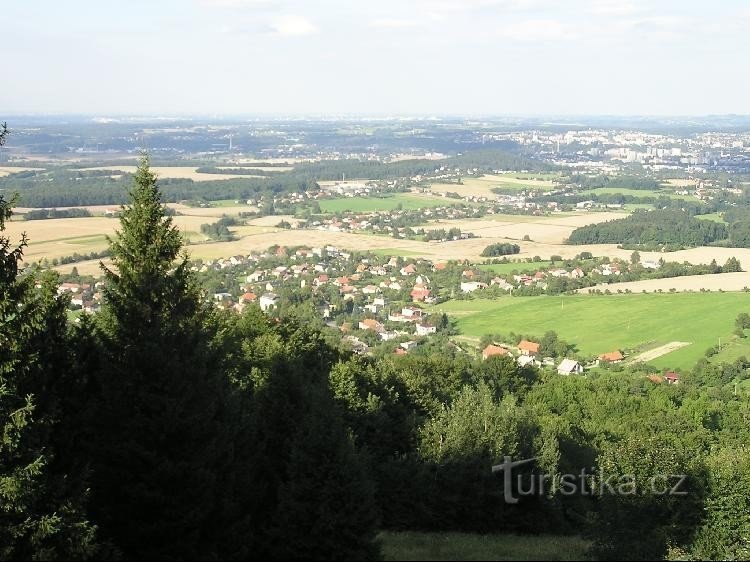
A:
x: 455, y: 6
x: 536, y: 30
x: 291, y: 25
x: 393, y: 23
x: 613, y: 8
x: 235, y: 3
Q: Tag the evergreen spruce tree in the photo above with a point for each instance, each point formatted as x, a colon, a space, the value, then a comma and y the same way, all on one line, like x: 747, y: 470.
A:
x: 40, y: 517
x: 161, y: 439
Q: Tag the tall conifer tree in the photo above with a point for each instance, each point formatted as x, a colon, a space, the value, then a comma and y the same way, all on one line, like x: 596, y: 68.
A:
x: 161, y: 439
x: 37, y: 519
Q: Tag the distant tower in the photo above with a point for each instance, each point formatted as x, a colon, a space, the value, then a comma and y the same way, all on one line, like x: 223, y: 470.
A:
x: 230, y: 143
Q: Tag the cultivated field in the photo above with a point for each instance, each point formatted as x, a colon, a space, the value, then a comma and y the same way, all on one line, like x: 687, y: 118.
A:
x: 482, y: 186
x: 176, y: 172
x: 552, y: 229
x: 56, y: 238
x: 8, y: 170
x: 598, y: 324
x: 723, y: 281
x: 369, y: 204
x: 638, y: 193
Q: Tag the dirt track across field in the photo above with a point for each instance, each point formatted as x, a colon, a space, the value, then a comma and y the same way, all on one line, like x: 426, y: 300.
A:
x: 652, y: 354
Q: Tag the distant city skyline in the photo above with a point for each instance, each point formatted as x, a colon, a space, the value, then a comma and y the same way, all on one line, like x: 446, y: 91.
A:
x: 415, y: 57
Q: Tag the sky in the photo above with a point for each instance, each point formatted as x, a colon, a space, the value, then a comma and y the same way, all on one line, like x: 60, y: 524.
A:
x: 375, y: 58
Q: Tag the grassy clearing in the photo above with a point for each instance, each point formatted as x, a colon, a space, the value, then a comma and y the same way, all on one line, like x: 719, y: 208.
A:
x: 368, y: 204
x: 464, y: 546
x: 716, y: 217
x: 598, y: 324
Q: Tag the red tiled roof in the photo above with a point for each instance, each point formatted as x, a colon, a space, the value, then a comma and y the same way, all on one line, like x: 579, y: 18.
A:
x: 612, y: 356
x: 492, y: 350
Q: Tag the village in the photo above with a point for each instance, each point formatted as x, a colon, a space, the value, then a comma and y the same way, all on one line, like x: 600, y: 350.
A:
x: 378, y: 305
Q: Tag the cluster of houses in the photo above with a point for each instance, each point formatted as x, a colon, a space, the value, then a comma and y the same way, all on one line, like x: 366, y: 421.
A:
x: 83, y: 296
x: 471, y: 282
x: 330, y: 270
x: 527, y: 353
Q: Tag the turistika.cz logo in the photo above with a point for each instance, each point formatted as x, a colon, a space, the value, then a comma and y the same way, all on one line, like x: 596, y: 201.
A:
x: 585, y: 483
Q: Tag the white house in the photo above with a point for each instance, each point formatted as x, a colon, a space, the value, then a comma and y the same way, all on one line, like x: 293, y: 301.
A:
x: 569, y: 366
x: 268, y: 301
x: 471, y: 286
x: 424, y: 329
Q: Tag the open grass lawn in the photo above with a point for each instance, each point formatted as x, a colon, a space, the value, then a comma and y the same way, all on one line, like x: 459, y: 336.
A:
x: 365, y: 204
x: 464, y: 546
x: 598, y: 324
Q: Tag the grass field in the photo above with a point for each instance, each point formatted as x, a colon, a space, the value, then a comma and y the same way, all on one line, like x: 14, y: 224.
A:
x: 716, y: 217
x: 598, y: 324
x: 637, y: 193
x: 464, y: 546
x: 368, y: 204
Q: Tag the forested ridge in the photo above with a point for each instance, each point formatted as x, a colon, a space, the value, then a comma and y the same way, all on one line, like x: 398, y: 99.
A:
x: 162, y: 428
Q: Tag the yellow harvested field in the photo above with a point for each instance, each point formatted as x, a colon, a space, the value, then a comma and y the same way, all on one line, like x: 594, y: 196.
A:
x: 8, y: 170
x: 176, y: 172
x: 56, y: 238
x: 723, y: 281
x: 482, y: 186
x: 259, y: 168
x: 681, y: 182
x: 546, y: 230
x: 274, y: 220
x: 212, y: 212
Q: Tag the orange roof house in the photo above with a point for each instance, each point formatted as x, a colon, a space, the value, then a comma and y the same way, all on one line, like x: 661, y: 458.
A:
x: 528, y: 347
x: 419, y: 293
x: 612, y: 357
x: 492, y: 350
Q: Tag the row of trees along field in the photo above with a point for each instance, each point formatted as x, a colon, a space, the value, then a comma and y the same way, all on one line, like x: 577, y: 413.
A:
x: 162, y: 428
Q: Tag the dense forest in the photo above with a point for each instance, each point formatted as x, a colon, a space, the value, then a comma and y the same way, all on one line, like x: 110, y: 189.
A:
x: 621, y: 180
x: 162, y: 428
x: 659, y: 227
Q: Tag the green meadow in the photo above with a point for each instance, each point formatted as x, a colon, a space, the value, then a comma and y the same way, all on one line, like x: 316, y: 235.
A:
x: 600, y: 323
x: 637, y: 193
x: 367, y: 204
x: 465, y: 546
